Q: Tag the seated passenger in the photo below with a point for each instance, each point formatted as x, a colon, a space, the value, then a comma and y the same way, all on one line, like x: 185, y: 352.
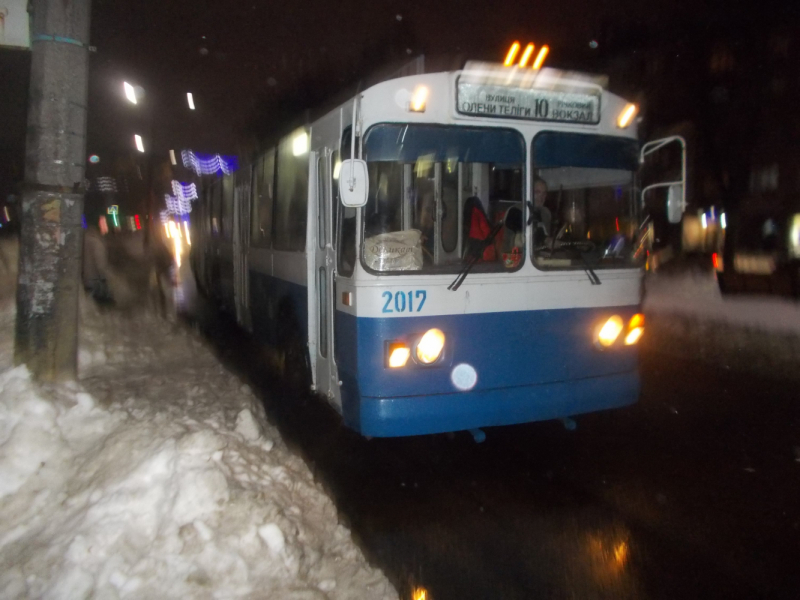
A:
x: 476, y: 231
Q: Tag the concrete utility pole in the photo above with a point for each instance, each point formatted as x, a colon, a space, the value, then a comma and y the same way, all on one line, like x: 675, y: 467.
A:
x: 52, y: 204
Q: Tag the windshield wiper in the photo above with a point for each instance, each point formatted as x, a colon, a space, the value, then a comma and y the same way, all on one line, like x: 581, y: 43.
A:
x: 589, y: 271
x: 474, y: 257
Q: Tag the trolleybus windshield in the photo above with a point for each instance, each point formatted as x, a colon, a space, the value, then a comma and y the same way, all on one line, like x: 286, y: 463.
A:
x: 585, y: 211
x: 443, y: 196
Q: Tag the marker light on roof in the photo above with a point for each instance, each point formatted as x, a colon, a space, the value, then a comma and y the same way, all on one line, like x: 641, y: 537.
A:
x: 537, y: 64
x: 419, y: 99
x: 512, y: 54
x: 526, y: 55
x: 626, y: 116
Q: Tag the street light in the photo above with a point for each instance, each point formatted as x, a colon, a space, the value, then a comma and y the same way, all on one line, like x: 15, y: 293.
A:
x: 130, y: 92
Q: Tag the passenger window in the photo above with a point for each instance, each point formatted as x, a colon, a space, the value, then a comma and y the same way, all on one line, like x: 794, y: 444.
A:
x: 227, y: 207
x: 291, y: 210
x: 263, y: 194
x: 216, y: 207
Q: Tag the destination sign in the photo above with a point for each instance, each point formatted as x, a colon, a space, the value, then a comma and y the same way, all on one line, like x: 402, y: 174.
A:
x: 535, y: 104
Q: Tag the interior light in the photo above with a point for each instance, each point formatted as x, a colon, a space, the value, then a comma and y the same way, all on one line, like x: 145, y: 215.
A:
x: 610, y: 331
x: 512, y: 54
x: 704, y: 221
x: 430, y: 346
x: 139, y: 143
x: 722, y: 221
x: 336, y: 169
x: 526, y: 55
x: 172, y: 157
x: 190, y: 99
x: 419, y: 99
x: 399, y: 354
x: 537, y: 64
x: 300, y: 144
x: 626, y: 116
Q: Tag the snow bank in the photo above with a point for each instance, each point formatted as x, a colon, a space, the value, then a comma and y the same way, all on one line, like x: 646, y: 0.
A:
x: 696, y: 294
x: 688, y: 317
x: 158, y: 476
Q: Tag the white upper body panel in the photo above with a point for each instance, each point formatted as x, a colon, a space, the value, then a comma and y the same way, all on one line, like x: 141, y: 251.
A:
x: 527, y: 288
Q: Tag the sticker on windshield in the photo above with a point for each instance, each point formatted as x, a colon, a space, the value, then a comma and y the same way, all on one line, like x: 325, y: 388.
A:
x: 404, y: 301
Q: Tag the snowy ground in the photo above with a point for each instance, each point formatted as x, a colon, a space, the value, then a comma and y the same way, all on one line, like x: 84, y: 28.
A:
x: 158, y: 476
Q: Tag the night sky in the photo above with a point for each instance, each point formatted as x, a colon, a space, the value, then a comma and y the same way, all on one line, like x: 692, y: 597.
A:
x: 249, y: 64
x: 241, y: 58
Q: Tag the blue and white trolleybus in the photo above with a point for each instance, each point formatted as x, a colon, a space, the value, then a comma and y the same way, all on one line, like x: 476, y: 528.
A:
x: 444, y: 251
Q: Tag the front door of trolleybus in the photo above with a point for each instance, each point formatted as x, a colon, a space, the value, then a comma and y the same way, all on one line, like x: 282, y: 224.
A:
x: 321, y: 274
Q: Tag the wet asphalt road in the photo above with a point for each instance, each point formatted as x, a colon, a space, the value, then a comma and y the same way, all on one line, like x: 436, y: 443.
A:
x: 692, y: 493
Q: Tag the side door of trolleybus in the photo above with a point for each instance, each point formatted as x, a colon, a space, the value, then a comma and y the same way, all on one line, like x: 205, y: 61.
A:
x: 321, y: 272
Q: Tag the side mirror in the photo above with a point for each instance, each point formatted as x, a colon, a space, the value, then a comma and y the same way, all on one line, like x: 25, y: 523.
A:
x: 675, y: 203
x: 353, y: 183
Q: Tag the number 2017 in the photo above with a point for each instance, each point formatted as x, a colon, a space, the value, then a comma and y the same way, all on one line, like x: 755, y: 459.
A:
x: 404, y: 301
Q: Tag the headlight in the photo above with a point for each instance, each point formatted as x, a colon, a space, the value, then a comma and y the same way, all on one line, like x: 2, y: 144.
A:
x: 399, y: 354
x: 610, y: 331
x: 635, y: 329
x: 430, y: 346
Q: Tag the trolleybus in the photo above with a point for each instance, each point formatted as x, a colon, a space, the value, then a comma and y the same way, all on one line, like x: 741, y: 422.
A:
x: 444, y: 251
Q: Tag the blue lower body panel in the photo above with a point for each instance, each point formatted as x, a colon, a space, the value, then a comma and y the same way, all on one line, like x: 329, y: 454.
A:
x: 386, y: 417
x: 528, y: 366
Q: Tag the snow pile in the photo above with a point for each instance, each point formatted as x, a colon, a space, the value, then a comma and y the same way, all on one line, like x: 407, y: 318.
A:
x: 696, y: 295
x: 158, y: 476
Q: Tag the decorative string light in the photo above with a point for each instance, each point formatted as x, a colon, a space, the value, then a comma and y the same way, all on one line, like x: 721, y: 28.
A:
x: 208, y: 164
